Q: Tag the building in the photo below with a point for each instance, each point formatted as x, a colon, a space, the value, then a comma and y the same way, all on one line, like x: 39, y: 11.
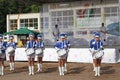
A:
x: 77, y: 18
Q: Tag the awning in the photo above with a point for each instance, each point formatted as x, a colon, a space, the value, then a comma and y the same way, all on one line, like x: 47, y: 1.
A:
x: 21, y: 31
x: 9, y: 33
x: 24, y: 31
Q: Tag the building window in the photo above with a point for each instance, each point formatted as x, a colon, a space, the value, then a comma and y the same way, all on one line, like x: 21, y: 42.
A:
x: 13, y: 24
x: 111, y: 14
x: 44, y: 22
x: 64, y: 19
x: 31, y: 23
x: 88, y: 18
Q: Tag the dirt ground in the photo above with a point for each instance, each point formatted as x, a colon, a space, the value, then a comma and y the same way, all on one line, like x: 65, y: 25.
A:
x: 76, y: 71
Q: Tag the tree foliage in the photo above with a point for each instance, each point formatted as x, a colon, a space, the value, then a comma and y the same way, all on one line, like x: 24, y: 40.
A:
x: 15, y: 7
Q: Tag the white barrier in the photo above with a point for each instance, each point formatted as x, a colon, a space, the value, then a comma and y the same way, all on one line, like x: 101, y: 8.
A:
x: 75, y: 55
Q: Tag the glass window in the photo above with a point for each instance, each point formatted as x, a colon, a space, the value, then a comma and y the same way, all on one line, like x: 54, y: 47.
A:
x: 31, y: 22
x: 13, y: 24
x: 59, y: 13
x: 114, y: 9
x: 53, y: 14
x: 26, y: 20
x: 107, y: 10
x: 97, y: 10
x: 22, y: 25
x: 35, y: 20
x: 70, y: 12
x: 45, y: 22
x: 111, y: 14
x: 62, y: 18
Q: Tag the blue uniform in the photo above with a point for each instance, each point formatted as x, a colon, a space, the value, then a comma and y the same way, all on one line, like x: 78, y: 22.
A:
x: 30, y: 44
x: 91, y: 43
x: 67, y: 44
x: 11, y: 44
x: 3, y: 47
x: 39, y: 44
x: 95, y: 45
x: 61, y: 45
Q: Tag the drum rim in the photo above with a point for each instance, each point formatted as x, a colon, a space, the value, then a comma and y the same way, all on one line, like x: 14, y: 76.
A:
x: 62, y: 54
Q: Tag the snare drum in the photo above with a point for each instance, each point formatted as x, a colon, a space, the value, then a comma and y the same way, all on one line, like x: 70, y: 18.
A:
x: 38, y: 51
x: 30, y: 51
x: 61, y: 52
x: 99, y: 54
x: 10, y: 50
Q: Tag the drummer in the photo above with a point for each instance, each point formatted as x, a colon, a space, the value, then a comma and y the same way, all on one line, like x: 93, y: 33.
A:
x: 59, y: 46
x: 2, y: 54
x: 39, y: 45
x: 31, y: 44
x: 95, y: 45
x: 11, y: 43
x: 93, y: 40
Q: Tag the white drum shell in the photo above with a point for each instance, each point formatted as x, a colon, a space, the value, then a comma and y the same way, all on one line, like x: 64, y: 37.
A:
x: 30, y: 51
x: 61, y: 52
x: 38, y: 51
x: 99, y: 54
x: 10, y: 50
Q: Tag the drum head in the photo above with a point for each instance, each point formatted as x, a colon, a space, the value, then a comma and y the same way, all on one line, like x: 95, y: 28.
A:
x: 30, y: 51
x: 99, y: 54
x: 38, y: 51
x: 10, y: 49
x: 62, y: 52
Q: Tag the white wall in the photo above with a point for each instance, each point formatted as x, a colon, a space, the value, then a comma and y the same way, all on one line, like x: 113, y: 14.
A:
x: 80, y: 55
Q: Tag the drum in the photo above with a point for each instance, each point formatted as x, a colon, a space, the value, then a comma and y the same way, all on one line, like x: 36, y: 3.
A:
x: 30, y: 51
x: 10, y: 50
x: 99, y: 54
x: 38, y: 51
x: 61, y: 52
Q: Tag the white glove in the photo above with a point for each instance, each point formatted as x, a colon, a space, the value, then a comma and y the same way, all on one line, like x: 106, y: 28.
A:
x: 91, y: 50
x: 57, y: 48
x: 65, y: 46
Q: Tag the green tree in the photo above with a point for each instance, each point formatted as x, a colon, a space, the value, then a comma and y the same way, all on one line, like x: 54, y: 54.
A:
x: 14, y: 7
x: 34, y: 8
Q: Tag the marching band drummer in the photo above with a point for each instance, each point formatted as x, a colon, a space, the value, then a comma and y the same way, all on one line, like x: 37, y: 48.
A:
x: 93, y: 40
x: 61, y: 49
x: 2, y: 54
x: 11, y: 46
x: 67, y: 48
x: 95, y: 46
x: 31, y: 45
x: 39, y: 53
